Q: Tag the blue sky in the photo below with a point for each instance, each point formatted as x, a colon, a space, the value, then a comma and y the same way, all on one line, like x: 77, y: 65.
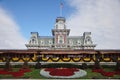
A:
x: 35, y: 15
x: 20, y: 17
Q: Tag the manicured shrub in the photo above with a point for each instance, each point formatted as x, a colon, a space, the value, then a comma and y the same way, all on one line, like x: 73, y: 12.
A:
x: 38, y: 65
x: 58, y: 65
x: 25, y: 65
x: 97, y: 65
x: 84, y: 66
x: 8, y: 65
x: 117, y: 67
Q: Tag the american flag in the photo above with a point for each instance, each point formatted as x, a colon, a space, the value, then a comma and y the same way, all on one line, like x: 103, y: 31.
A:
x: 61, y: 5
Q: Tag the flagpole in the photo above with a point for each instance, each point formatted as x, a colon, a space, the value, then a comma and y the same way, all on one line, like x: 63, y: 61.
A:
x: 61, y: 8
x: 60, y: 11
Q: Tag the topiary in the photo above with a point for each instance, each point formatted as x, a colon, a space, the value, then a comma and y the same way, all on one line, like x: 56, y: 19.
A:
x: 25, y: 65
x: 84, y: 66
x: 97, y: 64
x: 117, y: 67
x: 38, y: 65
x: 7, y: 64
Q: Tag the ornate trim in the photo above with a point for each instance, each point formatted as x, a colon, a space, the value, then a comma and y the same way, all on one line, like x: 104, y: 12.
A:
x: 46, y: 59
x: 76, y: 60
x: 54, y: 59
x: 15, y: 60
x: 26, y: 59
x: 66, y: 60
x: 32, y: 59
x: 107, y: 60
x: 3, y: 59
x: 86, y: 60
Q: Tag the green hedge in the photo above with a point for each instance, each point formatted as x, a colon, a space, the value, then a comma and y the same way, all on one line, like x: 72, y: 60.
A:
x: 58, y: 65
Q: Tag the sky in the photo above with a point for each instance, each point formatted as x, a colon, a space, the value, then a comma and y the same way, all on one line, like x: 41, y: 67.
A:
x: 20, y: 17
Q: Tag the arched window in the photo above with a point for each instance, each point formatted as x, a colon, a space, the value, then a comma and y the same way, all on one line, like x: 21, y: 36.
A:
x: 60, y: 39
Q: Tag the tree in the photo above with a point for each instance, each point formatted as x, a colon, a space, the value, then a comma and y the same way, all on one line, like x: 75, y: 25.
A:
x: 38, y: 64
x: 25, y: 65
x: 7, y: 64
x: 97, y: 64
x: 97, y: 61
x: 84, y: 66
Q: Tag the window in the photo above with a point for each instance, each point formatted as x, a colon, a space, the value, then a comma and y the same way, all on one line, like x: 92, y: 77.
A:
x: 56, y: 26
x: 32, y: 41
x: 88, y: 40
x: 78, y: 42
x: 60, y: 39
x: 70, y: 42
x: 41, y: 42
x: 50, y: 42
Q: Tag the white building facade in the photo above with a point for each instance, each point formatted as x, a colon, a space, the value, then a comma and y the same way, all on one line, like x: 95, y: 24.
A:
x: 60, y: 39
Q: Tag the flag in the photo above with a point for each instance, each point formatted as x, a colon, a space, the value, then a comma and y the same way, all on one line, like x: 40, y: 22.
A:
x: 61, y: 5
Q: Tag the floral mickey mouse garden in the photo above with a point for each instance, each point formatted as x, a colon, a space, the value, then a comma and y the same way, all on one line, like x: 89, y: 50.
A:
x: 60, y: 71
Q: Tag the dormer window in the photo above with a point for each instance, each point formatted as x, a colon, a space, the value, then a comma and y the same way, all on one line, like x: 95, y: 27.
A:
x: 32, y: 41
x: 70, y: 42
x: 78, y: 42
x: 42, y: 42
x: 88, y: 40
x: 50, y: 42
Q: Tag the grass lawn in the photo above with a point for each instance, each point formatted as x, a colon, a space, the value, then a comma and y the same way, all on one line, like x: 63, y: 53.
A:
x: 35, y: 74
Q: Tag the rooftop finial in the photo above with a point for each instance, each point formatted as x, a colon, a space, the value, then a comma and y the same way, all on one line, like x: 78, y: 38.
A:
x: 61, y: 8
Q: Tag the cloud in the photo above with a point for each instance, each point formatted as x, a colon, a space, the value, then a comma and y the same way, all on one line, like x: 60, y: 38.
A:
x: 101, y: 17
x: 10, y: 36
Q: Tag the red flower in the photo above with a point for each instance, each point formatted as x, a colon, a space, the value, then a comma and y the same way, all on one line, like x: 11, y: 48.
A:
x: 117, y: 72
x: 61, y: 71
x: 24, y: 70
x: 104, y: 73
x: 98, y: 70
x: 4, y: 72
x: 108, y: 74
x: 17, y: 74
x: 49, y: 69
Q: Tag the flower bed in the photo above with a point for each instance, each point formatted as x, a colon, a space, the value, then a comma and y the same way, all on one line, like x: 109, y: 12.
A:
x: 104, y: 73
x: 16, y: 74
x: 24, y: 70
x: 98, y: 70
x: 117, y: 72
x: 3, y: 72
x: 19, y: 73
x: 108, y: 74
x: 62, y: 72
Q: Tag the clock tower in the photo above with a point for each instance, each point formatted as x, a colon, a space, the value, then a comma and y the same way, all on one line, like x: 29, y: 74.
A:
x: 60, y: 33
